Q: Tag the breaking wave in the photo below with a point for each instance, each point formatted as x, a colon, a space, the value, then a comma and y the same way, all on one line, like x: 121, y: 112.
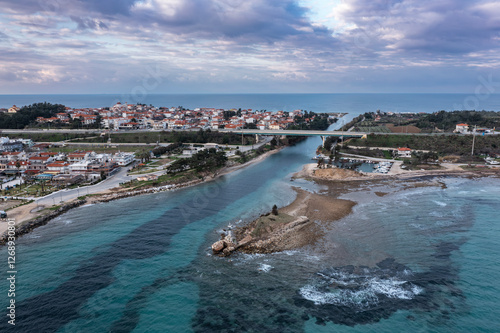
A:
x: 363, y: 289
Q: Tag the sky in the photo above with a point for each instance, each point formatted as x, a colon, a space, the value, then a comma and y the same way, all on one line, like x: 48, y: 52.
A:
x: 249, y: 46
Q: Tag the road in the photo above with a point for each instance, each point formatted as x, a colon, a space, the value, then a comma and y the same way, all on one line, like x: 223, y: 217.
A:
x: 245, y: 131
x: 66, y: 195
x: 109, y: 183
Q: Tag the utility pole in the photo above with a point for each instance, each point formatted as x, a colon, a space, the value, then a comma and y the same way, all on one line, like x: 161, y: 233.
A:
x: 473, y: 139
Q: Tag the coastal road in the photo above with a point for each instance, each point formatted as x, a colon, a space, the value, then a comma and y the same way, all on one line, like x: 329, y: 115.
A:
x: 109, y: 183
x: 66, y: 195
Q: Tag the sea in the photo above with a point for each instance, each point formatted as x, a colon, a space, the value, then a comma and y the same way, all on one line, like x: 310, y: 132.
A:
x: 412, y: 257
x: 351, y: 103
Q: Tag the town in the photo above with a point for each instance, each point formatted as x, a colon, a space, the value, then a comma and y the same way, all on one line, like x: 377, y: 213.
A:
x: 140, y: 116
x: 36, y: 165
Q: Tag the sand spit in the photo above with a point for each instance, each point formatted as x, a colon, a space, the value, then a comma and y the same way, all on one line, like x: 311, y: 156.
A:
x: 297, y: 225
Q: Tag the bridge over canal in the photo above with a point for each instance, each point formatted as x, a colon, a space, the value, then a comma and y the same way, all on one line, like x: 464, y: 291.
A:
x: 322, y: 134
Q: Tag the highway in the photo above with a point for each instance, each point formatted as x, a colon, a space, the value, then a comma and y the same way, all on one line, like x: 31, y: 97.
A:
x: 238, y: 131
x: 295, y: 132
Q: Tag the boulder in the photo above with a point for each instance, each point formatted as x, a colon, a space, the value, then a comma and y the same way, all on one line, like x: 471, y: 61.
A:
x: 218, y: 246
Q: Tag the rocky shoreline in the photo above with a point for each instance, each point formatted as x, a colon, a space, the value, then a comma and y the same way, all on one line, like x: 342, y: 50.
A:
x: 295, y: 226
x: 301, y: 223
x: 42, y: 220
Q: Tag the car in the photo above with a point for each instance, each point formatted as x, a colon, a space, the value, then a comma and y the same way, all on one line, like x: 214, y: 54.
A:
x: 3, y: 214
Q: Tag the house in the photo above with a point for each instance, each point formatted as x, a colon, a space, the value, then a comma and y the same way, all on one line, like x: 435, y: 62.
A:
x: 62, y: 116
x: 82, y: 166
x: 75, y: 157
x: 13, y: 109
x: 11, y: 146
x: 461, y: 128
x: 58, y: 167
x: 404, y: 152
x: 13, y: 156
x: 189, y: 152
x: 233, y: 126
x: 14, y: 167
x: 41, y: 146
x: 68, y: 179
x: 39, y: 163
x: 274, y: 126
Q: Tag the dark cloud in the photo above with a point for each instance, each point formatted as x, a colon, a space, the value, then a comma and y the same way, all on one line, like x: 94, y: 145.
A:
x: 109, y: 7
x: 247, y: 21
x: 262, y: 40
x: 432, y: 27
x: 89, y: 23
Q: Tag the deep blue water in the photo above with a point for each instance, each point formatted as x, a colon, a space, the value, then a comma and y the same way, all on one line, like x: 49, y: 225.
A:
x: 420, y: 259
x: 352, y: 103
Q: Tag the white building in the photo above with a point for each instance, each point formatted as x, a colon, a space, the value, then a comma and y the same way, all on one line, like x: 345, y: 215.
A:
x: 123, y: 159
x: 404, y: 152
x: 462, y: 128
x: 80, y: 167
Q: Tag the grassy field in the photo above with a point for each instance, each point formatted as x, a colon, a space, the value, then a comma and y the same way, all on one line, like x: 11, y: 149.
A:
x: 49, y: 136
x: 373, y: 129
x: 442, y: 144
x: 176, y: 136
x: 410, y: 129
x: 99, y: 149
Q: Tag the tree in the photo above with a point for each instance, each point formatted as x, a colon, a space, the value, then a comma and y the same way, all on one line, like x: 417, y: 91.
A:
x: 144, y: 156
x: 250, y: 126
x: 18, y: 167
x: 275, y: 210
x: 273, y: 143
x: 321, y: 161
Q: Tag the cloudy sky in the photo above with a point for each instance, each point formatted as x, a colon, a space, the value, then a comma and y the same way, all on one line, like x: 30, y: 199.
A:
x: 232, y: 46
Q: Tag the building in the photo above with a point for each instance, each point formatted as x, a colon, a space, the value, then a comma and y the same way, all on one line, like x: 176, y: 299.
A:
x: 462, y: 128
x: 58, y: 167
x: 123, y: 159
x: 13, y: 109
x: 15, y: 167
x: 7, y: 144
x: 68, y: 179
x: 39, y: 163
x: 80, y: 167
x: 404, y: 152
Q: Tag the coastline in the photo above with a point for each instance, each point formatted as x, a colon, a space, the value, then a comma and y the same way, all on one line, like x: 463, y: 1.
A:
x: 303, y: 222
x: 28, y: 217
x: 396, y: 173
x: 297, y: 225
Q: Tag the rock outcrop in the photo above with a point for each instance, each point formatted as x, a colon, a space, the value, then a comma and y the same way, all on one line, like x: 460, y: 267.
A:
x: 297, y: 225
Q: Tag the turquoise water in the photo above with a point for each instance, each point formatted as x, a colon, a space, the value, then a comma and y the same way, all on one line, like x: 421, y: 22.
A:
x: 420, y: 259
x: 143, y: 264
